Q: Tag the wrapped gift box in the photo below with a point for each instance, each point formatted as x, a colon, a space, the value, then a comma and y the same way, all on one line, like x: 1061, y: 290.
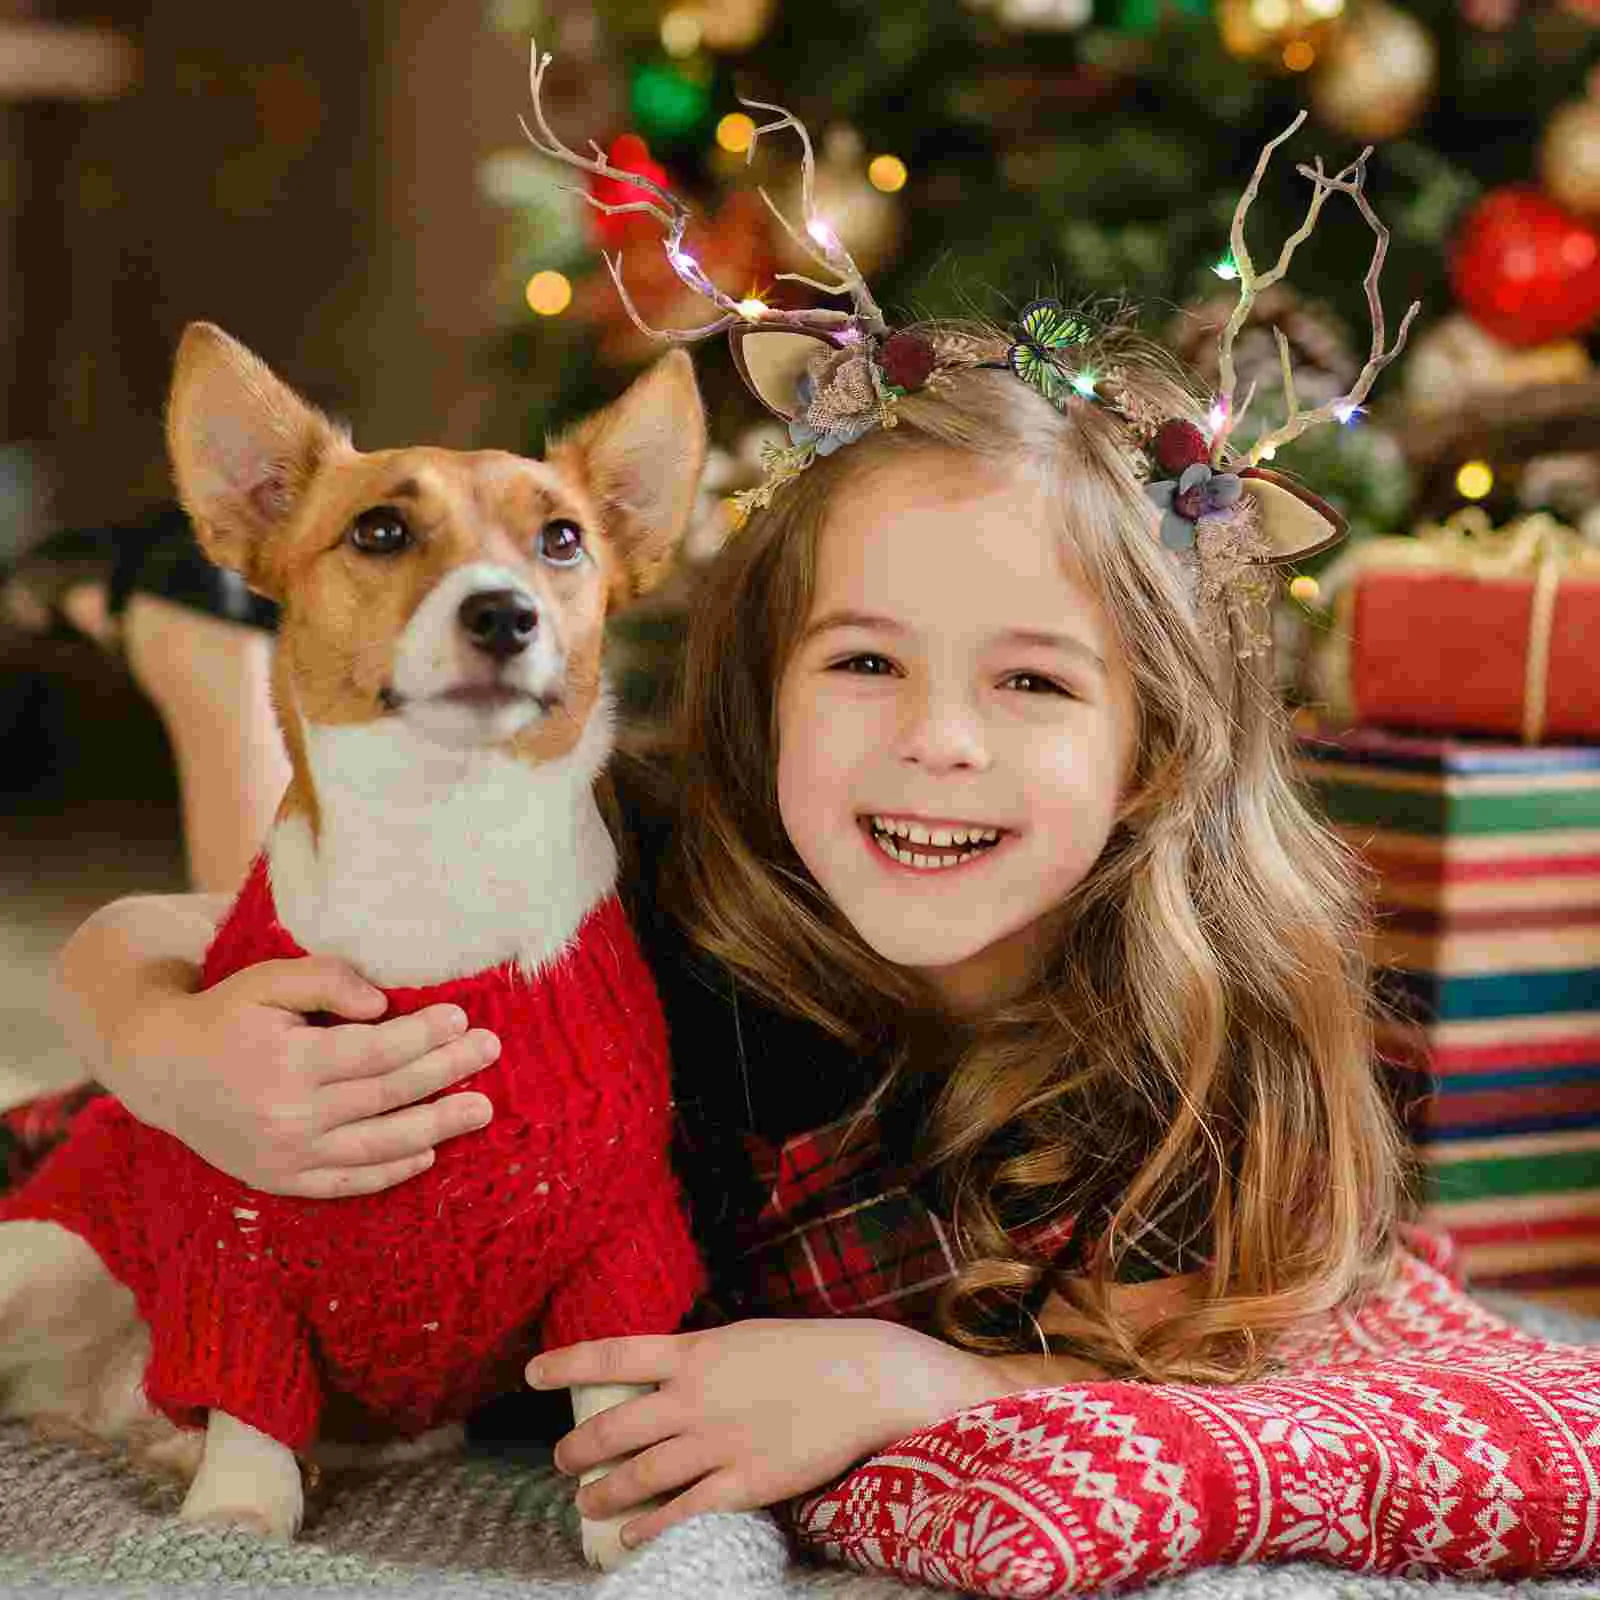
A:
x: 1469, y: 629
x: 1486, y: 864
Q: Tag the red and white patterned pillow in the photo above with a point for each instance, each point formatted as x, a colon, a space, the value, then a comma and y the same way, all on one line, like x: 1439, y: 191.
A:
x: 1419, y: 1435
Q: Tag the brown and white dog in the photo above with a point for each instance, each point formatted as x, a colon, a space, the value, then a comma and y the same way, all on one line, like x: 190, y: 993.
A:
x: 438, y: 681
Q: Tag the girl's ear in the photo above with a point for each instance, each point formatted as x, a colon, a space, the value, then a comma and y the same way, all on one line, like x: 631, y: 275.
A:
x: 641, y: 459
x: 243, y: 447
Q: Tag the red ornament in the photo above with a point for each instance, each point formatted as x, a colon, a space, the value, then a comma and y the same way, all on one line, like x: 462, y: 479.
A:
x: 907, y: 361
x: 1179, y: 444
x: 1527, y: 269
x: 628, y: 153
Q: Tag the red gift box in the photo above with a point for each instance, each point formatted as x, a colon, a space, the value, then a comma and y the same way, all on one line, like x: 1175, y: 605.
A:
x: 1468, y: 629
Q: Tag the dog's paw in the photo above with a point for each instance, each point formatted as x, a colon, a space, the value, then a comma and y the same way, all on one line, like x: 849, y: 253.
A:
x: 266, y: 1497
x: 602, y: 1542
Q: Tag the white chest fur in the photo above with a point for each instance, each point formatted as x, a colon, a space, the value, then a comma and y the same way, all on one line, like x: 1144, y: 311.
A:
x: 438, y: 863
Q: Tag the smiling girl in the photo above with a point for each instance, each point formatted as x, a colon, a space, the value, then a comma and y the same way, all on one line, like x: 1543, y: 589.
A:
x: 1019, y: 1014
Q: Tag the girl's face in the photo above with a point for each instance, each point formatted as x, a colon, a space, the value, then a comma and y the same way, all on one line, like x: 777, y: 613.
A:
x: 955, y: 725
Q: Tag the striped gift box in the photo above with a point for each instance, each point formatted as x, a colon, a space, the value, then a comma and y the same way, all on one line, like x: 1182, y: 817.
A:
x: 1487, y: 866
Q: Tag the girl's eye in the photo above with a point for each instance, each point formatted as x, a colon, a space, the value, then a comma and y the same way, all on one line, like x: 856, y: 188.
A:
x: 561, y: 543
x: 382, y: 531
x: 1037, y: 683
x: 869, y: 666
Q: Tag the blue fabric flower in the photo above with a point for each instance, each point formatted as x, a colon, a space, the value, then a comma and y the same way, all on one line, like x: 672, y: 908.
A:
x: 824, y: 443
x: 1200, y: 492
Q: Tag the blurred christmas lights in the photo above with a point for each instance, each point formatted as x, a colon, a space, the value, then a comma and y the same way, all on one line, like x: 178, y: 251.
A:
x: 549, y: 293
x: 736, y: 132
x: 887, y: 173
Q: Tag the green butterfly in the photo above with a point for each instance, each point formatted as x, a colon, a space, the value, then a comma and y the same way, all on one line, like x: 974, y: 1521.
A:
x: 1045, y: 328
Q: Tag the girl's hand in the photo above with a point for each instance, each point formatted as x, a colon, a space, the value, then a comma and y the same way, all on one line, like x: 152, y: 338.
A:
x: 238, y: 1074
x: 752, y: 1413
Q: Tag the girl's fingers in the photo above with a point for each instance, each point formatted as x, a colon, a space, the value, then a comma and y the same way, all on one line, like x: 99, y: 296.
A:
x: 405, y: 1084
x: 401, y: 1136
x: 338, y: 1183
x: 666, y: 1466
x: 356, y: 1050
x: 312, y: 983
x: 720, y: 1491
x: 620, y: 1430
x: 646, y: 1358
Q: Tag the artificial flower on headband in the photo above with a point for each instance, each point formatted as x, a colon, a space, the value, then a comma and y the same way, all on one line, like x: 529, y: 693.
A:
x: 833, y: 376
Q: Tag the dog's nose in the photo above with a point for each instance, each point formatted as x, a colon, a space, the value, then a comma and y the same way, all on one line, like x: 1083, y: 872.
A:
x: 499, y: 622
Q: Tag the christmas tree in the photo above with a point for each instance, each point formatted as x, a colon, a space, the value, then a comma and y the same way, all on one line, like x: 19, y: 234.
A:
x: 974, y: 154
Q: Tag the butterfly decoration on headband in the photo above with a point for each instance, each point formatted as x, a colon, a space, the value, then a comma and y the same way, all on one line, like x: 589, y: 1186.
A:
x: 833, y: 376
x: 1045, y: 331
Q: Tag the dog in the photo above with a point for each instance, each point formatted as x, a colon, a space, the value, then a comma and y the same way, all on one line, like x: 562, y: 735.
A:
x: 439, y: 684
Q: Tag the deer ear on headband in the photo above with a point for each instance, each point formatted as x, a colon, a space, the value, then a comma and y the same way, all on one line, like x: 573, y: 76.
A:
x: 772, y: 361
x: 1297, y: 524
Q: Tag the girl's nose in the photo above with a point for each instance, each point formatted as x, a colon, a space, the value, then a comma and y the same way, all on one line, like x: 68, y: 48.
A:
x: 942, y: 732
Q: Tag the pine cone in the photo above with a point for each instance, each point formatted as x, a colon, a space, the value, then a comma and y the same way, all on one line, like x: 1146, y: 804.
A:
x: 1324, y: 366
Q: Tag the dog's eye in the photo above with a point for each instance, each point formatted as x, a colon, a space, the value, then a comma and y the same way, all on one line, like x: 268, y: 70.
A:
x: 381, y: 531
x: 561, y: 542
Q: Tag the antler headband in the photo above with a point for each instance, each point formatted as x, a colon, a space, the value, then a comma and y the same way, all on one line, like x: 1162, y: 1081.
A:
x: 833, y: 375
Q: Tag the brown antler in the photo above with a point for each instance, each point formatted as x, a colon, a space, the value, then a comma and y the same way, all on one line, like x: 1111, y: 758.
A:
x: 1351, y: 180
x: 819, y: 241
x: 673, y: 215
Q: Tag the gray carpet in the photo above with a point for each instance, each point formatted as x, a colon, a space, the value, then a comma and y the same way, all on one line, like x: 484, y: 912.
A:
x: 76, y: 1523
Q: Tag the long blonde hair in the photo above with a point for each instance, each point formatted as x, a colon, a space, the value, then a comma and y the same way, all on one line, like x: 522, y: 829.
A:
x: 1206, y: 1014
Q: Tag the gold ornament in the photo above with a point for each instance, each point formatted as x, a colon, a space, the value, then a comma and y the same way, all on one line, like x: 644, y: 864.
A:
x: 1289, y: 34
x: 1569, y: 157
x: 1375, y: 79
x: 729, y: 26
x: 1456, y: 360
x: 866, y: 220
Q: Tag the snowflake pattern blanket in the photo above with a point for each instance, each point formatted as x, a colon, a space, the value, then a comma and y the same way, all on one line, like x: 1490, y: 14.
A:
x: 1418, y: 1435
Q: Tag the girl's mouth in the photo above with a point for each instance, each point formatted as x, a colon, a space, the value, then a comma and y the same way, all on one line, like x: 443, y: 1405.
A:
x: 929, y: 846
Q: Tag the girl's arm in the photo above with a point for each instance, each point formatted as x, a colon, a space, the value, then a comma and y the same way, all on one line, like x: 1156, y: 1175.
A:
x: 752, y: 1413
x: 238, y: 1074
x: 1140, y: 1305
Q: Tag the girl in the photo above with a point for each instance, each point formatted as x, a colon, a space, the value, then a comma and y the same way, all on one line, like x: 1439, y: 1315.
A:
x: 1019, y: 1012
x: 1004, y: 967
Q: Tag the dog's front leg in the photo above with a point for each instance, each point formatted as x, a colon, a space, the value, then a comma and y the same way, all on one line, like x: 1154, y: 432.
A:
x: 602, y: 1543
x: 245, y: 1477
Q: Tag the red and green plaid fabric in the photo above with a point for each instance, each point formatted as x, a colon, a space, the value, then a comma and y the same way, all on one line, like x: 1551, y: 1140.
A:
x: 29, y: 1132
x: 844, y: 1232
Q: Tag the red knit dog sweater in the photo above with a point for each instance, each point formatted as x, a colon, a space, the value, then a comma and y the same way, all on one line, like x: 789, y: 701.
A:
x: 560, y: 1221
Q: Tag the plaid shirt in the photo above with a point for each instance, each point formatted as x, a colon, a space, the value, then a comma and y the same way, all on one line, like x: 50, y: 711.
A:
x: 845, y: 1231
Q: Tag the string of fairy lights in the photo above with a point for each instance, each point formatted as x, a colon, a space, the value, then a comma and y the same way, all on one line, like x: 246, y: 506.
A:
x: 1294, y: 36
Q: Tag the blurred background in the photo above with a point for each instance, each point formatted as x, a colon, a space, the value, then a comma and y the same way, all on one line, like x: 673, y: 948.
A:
x: 346, y: 189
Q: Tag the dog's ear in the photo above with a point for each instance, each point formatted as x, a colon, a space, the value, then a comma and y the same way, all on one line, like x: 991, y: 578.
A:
x: 243, y: 447
x: 641, y: 458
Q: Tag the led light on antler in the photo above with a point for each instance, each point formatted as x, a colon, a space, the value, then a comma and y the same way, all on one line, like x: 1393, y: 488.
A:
x: 1084, y: 383
x: 1226, y: 270
x: 755, y: 310
x: 822, y: 233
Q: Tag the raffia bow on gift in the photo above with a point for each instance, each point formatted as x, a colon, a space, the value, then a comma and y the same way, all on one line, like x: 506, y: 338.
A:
x: 1466, y: 545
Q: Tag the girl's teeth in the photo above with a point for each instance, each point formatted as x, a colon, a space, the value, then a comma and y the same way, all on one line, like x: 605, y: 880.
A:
x: 910, y: 858
x: 916, y: 833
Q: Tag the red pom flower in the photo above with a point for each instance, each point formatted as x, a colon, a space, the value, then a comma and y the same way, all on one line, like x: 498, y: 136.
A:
x: 906, y: 361
x: 1179, y: 444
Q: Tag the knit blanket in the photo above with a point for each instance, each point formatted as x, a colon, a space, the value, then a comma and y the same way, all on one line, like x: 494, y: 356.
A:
x: 77, y: 1522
